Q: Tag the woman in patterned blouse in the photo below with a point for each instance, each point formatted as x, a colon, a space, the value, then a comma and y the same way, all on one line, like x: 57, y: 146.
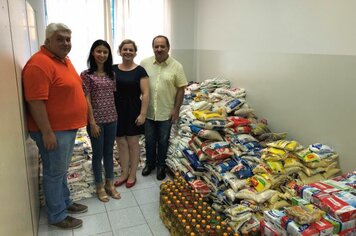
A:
x: 99, y: 86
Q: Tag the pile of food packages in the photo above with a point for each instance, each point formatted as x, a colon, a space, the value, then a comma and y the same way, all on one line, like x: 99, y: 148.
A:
x: 253, y: 176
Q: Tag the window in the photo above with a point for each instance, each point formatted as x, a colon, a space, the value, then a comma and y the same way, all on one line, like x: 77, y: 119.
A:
x: 141, y: 21
x: 111, y: 20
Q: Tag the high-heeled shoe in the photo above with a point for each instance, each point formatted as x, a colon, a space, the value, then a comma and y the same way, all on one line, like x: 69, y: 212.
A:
x: 110, y: 189
x: 100, y: 191
x: 119, y: 183
x: 130, y: 184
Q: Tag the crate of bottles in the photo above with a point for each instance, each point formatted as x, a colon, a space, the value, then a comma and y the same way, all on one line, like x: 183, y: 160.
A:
x: 185, y: 212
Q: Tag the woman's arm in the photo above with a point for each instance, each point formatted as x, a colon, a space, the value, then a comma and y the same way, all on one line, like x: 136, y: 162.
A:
x: 94, y: 128
x: 145, y: 90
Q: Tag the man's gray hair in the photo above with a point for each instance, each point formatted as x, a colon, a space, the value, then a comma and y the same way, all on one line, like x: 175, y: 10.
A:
x: 54, y: 27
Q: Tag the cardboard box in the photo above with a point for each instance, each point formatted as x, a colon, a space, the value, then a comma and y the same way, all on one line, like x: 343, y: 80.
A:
x: 337, y: 208
x: 324, y: 227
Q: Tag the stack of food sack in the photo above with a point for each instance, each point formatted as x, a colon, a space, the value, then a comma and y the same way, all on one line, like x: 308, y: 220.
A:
x: 220, y: 143
x: 318, y: 162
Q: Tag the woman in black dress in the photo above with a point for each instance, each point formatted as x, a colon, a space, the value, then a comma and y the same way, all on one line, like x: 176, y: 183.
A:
x: 131, y: 99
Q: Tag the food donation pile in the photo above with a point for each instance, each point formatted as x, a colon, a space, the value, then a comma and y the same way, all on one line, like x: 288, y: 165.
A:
x: 248, y: 172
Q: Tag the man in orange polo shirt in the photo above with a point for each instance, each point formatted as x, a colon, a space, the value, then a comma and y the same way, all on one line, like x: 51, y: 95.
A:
x: 56, y: 108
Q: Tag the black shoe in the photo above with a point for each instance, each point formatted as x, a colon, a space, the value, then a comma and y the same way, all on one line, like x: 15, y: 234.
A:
x: 77, y: 208
x: 147, y: 170
x: 69, y: 223
x: 161, y: 173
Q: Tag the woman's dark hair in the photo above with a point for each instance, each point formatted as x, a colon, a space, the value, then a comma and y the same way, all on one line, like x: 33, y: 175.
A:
x: 161, y: 36
x: 92, y: 66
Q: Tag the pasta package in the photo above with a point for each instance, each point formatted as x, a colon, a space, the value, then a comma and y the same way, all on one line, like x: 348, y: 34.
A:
x: 304, y: 214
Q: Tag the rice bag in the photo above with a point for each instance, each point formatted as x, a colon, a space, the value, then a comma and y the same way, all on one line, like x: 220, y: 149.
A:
x: 233, y: 104
x: 311, y: 172
x: 252, y: 194
x: 243, y: 111
x: 231, y: 180
x: 270, y: 137
x: 206, y: 134
x: 292, y: 162
x: 250, y: 226
x: 259, y: 129
x: 211, y: 124
x: 331, y: 173
x: 323, y: 162
x: 200, y: 187
x: 234, y: 92
x: 235, y: 121
x: 193, y: 159
x: 238, y: 130
x: 320, y: 148
x: 217, y: 150
x: 242, y: 170
x: 225, y: 166
x: 310, y: 179
x: 201, y: 105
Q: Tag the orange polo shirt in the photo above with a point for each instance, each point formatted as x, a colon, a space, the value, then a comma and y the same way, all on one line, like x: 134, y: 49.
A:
x: 58, y: 84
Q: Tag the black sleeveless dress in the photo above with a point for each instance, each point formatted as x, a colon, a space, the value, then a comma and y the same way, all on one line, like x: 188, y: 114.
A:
x: 128, y: 100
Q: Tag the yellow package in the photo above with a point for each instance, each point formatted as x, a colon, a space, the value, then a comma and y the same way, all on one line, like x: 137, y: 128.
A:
x: 207, y: 115
x: 286, y: 145
x: 292, y: 162
x: 274, y: 154
x: 275, y: 166
x: 260, y: 182
x: 307, y: 156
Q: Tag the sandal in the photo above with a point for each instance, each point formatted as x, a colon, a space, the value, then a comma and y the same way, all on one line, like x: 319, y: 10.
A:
x: 100, y: 191
x: 111, y: 190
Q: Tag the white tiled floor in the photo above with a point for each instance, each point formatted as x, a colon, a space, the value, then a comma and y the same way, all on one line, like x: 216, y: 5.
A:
x: 136, y: 213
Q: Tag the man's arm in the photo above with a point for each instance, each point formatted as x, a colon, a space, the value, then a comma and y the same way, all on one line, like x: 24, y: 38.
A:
x: 39, y: 113
x: 177, y: 104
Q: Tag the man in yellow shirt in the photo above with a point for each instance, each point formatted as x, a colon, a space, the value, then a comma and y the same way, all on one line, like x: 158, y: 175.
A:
x: 167, y: 85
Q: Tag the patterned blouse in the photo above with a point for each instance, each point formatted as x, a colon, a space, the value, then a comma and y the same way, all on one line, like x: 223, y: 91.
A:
x: 101, y: 90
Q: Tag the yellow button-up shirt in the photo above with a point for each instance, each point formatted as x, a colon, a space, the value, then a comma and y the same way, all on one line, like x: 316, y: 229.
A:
x: 165, y: 79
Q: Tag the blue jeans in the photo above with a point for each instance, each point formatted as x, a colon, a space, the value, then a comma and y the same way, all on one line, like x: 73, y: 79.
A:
x: 55, y: 164
x: 102, y: 148
x: 157, y: 135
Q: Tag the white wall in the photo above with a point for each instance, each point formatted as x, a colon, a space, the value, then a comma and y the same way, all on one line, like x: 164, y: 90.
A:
x: 19, y: 213
x: 295, y: 58
x: 182, y: 36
